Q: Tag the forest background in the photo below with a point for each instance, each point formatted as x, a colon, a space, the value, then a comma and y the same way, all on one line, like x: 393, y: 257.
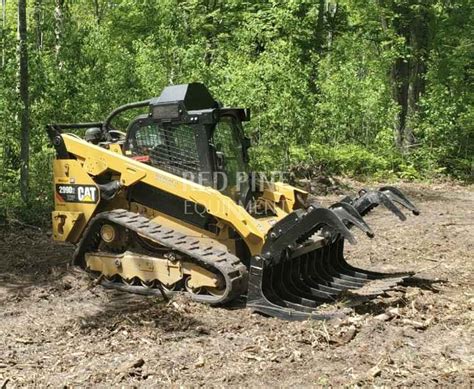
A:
x: 374, y: 89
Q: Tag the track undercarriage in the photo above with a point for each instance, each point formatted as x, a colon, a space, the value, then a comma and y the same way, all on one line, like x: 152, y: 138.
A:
x: 160, y: 260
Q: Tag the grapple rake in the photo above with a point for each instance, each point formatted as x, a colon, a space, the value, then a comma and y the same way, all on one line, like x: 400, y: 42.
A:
x: 298, y: 272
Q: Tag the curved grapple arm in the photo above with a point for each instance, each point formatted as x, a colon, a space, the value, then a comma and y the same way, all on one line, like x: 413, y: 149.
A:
x: 388, y: 196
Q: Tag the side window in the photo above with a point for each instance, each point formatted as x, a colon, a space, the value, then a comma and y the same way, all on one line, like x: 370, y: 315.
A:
x: 182, y: 149
x: 226, y: 140
x: 182, y: 141
x: 171, y: 148
x: 148, y: 137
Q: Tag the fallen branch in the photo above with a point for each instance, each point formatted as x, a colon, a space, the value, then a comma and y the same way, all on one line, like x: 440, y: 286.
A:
x: 15, y: 221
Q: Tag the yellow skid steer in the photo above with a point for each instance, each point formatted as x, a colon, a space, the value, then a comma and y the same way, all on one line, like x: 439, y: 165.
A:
x: 169, y: 205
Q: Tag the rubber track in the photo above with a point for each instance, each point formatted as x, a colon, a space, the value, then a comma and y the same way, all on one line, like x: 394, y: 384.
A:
x: 228, y: 265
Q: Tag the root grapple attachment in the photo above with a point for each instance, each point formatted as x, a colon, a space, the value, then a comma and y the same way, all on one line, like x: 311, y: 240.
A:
x: 302, y: 265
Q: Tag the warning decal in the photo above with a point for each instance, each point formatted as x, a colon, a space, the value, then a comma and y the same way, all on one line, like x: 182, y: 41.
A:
x: 77, y: 193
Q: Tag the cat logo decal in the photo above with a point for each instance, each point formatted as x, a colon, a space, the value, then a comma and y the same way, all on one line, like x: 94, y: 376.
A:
x: 77, y: 193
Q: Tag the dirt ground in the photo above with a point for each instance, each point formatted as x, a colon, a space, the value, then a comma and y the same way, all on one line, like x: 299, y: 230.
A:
x: 58, y: 328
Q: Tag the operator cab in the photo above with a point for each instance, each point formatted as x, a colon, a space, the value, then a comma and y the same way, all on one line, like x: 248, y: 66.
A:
x: 188, y: 134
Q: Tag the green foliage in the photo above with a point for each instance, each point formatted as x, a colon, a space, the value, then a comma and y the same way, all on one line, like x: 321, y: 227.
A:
x: 355, y: 105
x: 348, y: 159
x: 318, y: 84
x: 446, y: 122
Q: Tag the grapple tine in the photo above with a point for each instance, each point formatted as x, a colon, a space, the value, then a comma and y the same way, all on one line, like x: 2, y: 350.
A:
x: 296, y: 284
x: 319, y: 275
x: 344, y: 267
x: 312, y: 279
x: 333, y: 267
x: 322, y: 272
x: 288, y: 292
x: 399, y: 197
x: 277, y: 292
x: 347, y: 213
x: 261, y: 297
x: 318, y: 279
x: 371, y: 198
x: 326, y: 294
x: 332, y: 220
x: 271, y: 275
x: 327, y: 268
x: 370, y: 274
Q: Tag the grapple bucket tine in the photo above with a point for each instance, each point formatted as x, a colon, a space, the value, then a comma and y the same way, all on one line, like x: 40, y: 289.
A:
x: 285, y: 298
x: 287, y: 292
x: 313, y: 279
x: 321, y: 273
x: 371, y: 198
x: 399, y: 197
x: 261, y: 297
x: 327, y: 272
x: 333, y: 221
x: 343, y: 266
x: 329, y: 268
x: 347, y: 213
x: 317, y: 273
x: 371, y: 274
x: 270, y: 276
x: 282, y: 297
x: 325, y: 294
x: 333, y: 267
x: 296, y: 284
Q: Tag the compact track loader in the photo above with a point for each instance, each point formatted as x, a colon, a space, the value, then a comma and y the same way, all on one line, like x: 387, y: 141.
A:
x: 169, y: 205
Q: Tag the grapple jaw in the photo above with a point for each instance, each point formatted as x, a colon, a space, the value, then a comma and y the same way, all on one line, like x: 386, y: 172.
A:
x: 302, y: 265
x: 397, y: 196
x: 349, y: 215
x: 388, y: 196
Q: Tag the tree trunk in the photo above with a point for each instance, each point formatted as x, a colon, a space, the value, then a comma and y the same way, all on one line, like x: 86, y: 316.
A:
x: 407, y: 73
x: 97, y: 11
x: 319, y: 37
x: 399, y: 79
x: 58, y: 28
x: 420, y: 44
x: 38, y: 25
x: 4, y: 22
x: 24, y: 97
x: 318, y: 41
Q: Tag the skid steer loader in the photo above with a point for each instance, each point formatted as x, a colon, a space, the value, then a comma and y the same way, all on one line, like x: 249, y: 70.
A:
x: 169, y: 205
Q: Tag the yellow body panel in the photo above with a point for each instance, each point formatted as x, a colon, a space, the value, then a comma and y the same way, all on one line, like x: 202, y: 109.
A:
x: 129, y: 265
x: 94, y: 160
x: 66, y: 225
x: 131, y: 171
x: 68, y: 173
x: 116, y: 148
